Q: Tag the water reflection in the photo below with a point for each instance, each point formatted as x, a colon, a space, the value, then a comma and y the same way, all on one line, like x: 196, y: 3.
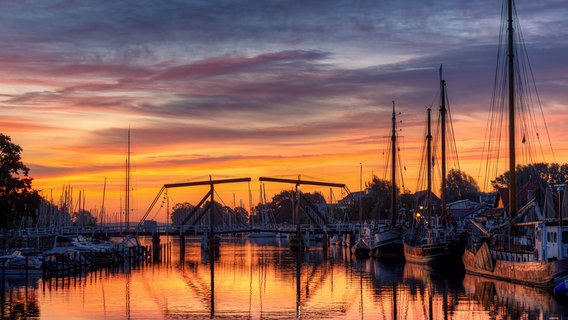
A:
x: 264, y: 279
x: 501, y: 298
x: 19, y: 297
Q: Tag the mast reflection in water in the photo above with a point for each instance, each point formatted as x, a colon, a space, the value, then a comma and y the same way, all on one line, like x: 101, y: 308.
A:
x: 263, y: 279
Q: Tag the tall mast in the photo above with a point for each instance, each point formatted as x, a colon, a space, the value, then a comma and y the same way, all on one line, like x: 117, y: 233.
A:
x: 103, y: 203
x: 127, y: 204
x: 393, y: 177
x: 212, y: 211
x: 511, y: 70
x: 360, y: 196
x: 429, y: 173
x: 443, y: 112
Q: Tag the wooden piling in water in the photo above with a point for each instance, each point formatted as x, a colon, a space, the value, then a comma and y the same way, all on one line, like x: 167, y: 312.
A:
x: 181, y: 248
x: 156, y: 247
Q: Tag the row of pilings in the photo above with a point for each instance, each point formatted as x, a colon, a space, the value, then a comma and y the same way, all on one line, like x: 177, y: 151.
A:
x: 77, y: 263
x: 59, y: 265
x: 73, y: 263
x: 67, y: 265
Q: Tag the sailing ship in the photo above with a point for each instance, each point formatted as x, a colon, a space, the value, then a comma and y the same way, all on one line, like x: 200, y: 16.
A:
x: 526, y: 251
x: 429, y: 240
x: 361, y: 248
x: 387, y: 241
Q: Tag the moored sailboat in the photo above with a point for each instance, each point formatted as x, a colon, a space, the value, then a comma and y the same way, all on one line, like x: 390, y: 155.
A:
x: 435, y: 239
x: 530, y: 252
x: 361, y: 248
x: 387, y: 241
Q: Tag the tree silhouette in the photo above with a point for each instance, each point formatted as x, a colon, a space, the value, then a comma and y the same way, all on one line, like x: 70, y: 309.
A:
x: 543, y: 174
x: 460, y: 186
x: 180, y: 212
x: 377, y: 201
x: 282, y: 206
x: 83, y: 218
x: 18, y: 201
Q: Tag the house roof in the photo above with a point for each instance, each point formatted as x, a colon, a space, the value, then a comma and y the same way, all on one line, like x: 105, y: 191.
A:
x: 461, y: 213
x: 420, y: 197
x: 523, y: 195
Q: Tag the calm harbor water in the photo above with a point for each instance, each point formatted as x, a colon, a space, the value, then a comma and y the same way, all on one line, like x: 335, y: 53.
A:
x: 263, y: 279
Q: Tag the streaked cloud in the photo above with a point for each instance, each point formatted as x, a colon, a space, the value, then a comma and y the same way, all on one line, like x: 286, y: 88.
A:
x: 245, y: 86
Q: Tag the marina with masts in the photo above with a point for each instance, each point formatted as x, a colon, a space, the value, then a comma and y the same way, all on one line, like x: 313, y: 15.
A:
x: 506, y: 252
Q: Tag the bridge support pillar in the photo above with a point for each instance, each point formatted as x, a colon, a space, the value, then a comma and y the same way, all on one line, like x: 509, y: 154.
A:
x: 156, y: 248
x: 351, y: 240
x: 181, y: 247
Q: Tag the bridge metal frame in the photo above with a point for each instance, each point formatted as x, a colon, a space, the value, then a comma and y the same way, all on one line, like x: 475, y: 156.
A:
x: 208, y: 208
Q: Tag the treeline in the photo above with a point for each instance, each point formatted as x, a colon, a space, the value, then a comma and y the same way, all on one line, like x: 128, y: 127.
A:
x: 21, y: 205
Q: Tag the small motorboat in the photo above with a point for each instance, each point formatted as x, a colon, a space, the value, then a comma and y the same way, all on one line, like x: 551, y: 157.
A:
x: 561, y: 288
x: 16, y: 264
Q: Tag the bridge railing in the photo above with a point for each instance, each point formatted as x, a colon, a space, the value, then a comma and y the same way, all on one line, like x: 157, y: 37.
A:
x: 191, y: 229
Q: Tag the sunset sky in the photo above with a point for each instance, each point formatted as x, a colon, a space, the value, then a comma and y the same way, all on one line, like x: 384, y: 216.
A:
x: 254, y: 88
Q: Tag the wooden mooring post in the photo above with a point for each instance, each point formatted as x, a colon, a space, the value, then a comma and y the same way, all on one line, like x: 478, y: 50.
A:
x: 156, y: 247
x: 181, y: 248
x: 325, y: 241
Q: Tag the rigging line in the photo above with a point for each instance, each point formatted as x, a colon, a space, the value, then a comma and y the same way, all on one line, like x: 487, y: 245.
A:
x: 165, y: 198
x: 452, y: 136
x: 526, y: 116
x: 159, y: 209
x: 542, y: 115
x: 230, y: 210
x: 498, y: 129
x: 219, y: 199
x: 402, y: 147
x: 206, y: 177
x: 436, y: 152
x: 529, y: 78
x: 420, y: 181
x: 400, y: 168
x: 489, y: 149
x: 425, y: 161
x: 399, y: 160
x: 528, y: 122
x: 387, y: 160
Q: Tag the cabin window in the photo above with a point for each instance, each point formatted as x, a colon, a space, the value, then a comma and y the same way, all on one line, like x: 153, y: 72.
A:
x: 564, y: 236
